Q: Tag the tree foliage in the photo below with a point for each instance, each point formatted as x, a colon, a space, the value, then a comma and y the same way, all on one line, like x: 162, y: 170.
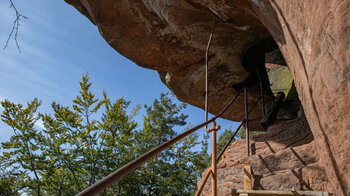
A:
x: 223, y: 139
x: 81, y: 144
x: 9, y: 179
x: 24, y: 145
x: 175, y: 170
x: 242, y: 134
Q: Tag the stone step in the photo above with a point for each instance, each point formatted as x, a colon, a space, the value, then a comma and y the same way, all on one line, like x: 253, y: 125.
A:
x: 285, y: 158
x: 284, y: 135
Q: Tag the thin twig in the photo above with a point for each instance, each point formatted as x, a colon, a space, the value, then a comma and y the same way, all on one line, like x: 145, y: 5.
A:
x: 15, y: 26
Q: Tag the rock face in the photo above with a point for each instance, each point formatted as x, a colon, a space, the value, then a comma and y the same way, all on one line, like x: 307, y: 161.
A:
x: 170, y: 36
x: 286, y: 158
x: 314, y: 39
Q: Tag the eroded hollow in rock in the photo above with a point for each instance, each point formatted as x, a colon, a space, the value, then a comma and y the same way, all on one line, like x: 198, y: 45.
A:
x: 286, y: 152
x: 265, y: 63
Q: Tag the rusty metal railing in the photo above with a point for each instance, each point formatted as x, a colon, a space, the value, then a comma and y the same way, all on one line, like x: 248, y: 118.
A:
x: 212, y: 171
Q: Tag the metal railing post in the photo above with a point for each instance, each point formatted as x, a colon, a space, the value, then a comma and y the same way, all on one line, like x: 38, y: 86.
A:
x: 213, y: 162
x: 206, y: 73
x: 237, y: 129
x: 214, y: 184
x: 246, y: 120
x: 261, y: 92
x: 262, y: 98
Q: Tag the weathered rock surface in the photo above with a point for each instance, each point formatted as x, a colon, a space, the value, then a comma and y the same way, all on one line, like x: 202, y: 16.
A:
x: 281, y: 80
x: 314, y: 37
x: 171, y: 37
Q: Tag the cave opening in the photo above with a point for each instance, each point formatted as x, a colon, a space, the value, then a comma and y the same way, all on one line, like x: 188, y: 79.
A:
x: 265, y: 62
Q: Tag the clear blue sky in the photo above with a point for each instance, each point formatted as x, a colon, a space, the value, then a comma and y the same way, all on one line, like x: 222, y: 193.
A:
x: 58, y: 45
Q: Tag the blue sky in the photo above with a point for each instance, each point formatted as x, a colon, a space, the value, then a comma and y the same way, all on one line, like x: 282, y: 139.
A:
x: 58, y: 45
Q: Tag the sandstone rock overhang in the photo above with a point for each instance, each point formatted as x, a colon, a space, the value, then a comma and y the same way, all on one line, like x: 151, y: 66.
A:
x: 170, y: 36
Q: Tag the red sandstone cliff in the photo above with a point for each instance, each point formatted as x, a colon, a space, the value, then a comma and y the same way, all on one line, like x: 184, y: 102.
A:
x: 314, y: 38
x: 286, y: 158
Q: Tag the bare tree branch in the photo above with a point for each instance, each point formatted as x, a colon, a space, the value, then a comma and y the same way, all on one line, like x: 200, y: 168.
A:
x: 15, y: 26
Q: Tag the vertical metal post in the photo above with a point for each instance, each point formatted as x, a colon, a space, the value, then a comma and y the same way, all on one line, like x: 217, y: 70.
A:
x: 262, y: 98
x: 206, y: 73
x: 206, y: 92
x: 213, y: 161
x: 261, y: 92
x: 246, y: 120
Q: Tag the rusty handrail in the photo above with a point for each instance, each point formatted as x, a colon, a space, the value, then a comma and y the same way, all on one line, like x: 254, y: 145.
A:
x: 204, y: 181
x: 126, y: 169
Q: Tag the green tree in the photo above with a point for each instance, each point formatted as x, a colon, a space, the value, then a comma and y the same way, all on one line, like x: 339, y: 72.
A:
x: 79, y: 145
x: 241, y: 133
x: 85, y: 105
x: 223, y: 139
x: 176, y: 170
x: 9, y: 179
x: 84, y: 148
x: 62, y: 150
x: 72, y: 143
x: 73, y: 150
x: 24, y: 146
x: 118, y: 148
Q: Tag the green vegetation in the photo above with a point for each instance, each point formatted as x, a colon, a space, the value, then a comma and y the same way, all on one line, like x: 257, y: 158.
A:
x: 241, y: 133
x: 223, y: 139
x: 79, y: 145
